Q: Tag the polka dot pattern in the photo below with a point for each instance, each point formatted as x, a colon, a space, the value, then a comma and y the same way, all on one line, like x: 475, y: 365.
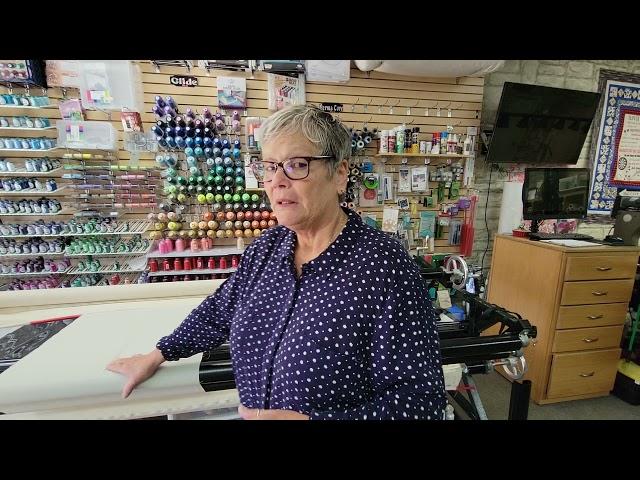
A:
x: 353, y: 338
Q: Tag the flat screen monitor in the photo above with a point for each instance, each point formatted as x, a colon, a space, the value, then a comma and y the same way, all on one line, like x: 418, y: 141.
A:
x: 555, y: 193
x: 541, y: 125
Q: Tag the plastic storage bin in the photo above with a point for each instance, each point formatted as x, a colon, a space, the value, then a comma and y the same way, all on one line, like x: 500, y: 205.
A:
x: 86, y: 135
x: 110, y: 85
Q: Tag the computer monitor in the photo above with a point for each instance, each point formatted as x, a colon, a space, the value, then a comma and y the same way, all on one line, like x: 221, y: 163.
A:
x: 554, y: 193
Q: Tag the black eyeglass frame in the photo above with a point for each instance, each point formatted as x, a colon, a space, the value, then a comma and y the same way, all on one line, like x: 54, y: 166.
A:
x: 281, y: 165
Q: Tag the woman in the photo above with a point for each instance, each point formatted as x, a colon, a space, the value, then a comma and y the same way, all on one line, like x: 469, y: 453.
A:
x: 327, y: 318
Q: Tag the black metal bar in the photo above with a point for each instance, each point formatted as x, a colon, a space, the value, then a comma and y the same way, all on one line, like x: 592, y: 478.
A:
x: 519, y: 401
x: 463, y: 350
x: 465, y: 405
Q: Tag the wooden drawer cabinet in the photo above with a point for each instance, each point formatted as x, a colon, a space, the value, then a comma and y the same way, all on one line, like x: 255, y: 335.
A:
x: 583, y: 373
x: 598, y: 315
x: 578, y: 300
x: 599, y: 267
x: 598, y: 291
x: 587, y: 339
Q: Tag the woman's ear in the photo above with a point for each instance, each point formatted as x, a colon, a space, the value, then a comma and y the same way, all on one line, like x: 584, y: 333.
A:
x: 342, y: 174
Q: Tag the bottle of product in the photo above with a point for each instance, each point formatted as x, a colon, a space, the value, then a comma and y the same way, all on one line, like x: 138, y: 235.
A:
x: 415, y: 144
x: 467, y: 146
x: 223, y: 262
x: 444, y: 138
x: 391, y: 148
x: 384, y: 141
x: 187, y: 264
x: 211, y: 263
x: 451, y: 143
x: 400, y: 140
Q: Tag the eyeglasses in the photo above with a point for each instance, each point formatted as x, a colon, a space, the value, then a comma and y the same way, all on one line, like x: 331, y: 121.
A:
x: 296, y: 168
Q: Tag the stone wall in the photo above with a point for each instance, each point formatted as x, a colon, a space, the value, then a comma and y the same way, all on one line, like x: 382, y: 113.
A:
x: 574, y: 74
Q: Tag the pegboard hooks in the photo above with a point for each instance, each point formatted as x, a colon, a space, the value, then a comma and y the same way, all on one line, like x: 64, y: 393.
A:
x: 353, y: 106
x: 364, y: 109
x: 383, y: 105
x: 391, y: 108
x: 409, y: 107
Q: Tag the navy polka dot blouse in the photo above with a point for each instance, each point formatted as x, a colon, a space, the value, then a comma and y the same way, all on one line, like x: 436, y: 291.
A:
x: 353, y: 338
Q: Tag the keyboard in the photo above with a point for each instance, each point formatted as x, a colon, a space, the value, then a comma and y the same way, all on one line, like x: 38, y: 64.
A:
x: 559, y: 236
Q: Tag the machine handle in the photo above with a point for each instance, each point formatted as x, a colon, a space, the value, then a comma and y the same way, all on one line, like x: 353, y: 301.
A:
x: 590, y: 340
x: 598, y: 294
x: 603, y: 269
x: 594, y: 317
x: 585, y: 375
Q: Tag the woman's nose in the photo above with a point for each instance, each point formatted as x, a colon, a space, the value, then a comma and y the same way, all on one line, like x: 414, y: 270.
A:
x: 279, y: 178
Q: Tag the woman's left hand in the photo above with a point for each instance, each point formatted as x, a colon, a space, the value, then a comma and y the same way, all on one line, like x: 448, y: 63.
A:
x: 260, y: 414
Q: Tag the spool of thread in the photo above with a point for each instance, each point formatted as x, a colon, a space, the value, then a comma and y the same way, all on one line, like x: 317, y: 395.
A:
x: 360, y: 144
x: 344, y: 204
x: 351, y: 205
x: 354, y: 172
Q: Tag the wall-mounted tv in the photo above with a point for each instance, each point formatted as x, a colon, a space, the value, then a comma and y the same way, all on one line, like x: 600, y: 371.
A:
x: 541, y: 125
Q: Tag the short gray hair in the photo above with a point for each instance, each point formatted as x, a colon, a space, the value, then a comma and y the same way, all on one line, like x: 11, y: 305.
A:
x: 320, y: 128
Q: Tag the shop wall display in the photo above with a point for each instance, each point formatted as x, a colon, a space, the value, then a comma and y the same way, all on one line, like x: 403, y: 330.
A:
x: 369, y: 100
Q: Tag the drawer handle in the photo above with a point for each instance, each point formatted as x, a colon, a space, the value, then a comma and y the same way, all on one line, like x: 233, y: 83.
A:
x: 590, y: 340
x: 585, y: 375
x: 598, y: 294
x: 603, y: 269
x: 594, y: 317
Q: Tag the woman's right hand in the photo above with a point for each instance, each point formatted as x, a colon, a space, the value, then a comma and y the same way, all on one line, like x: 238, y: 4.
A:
x: 136, y: 369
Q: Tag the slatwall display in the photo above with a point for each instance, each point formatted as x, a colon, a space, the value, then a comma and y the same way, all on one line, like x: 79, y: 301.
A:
x: 377, y: 100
